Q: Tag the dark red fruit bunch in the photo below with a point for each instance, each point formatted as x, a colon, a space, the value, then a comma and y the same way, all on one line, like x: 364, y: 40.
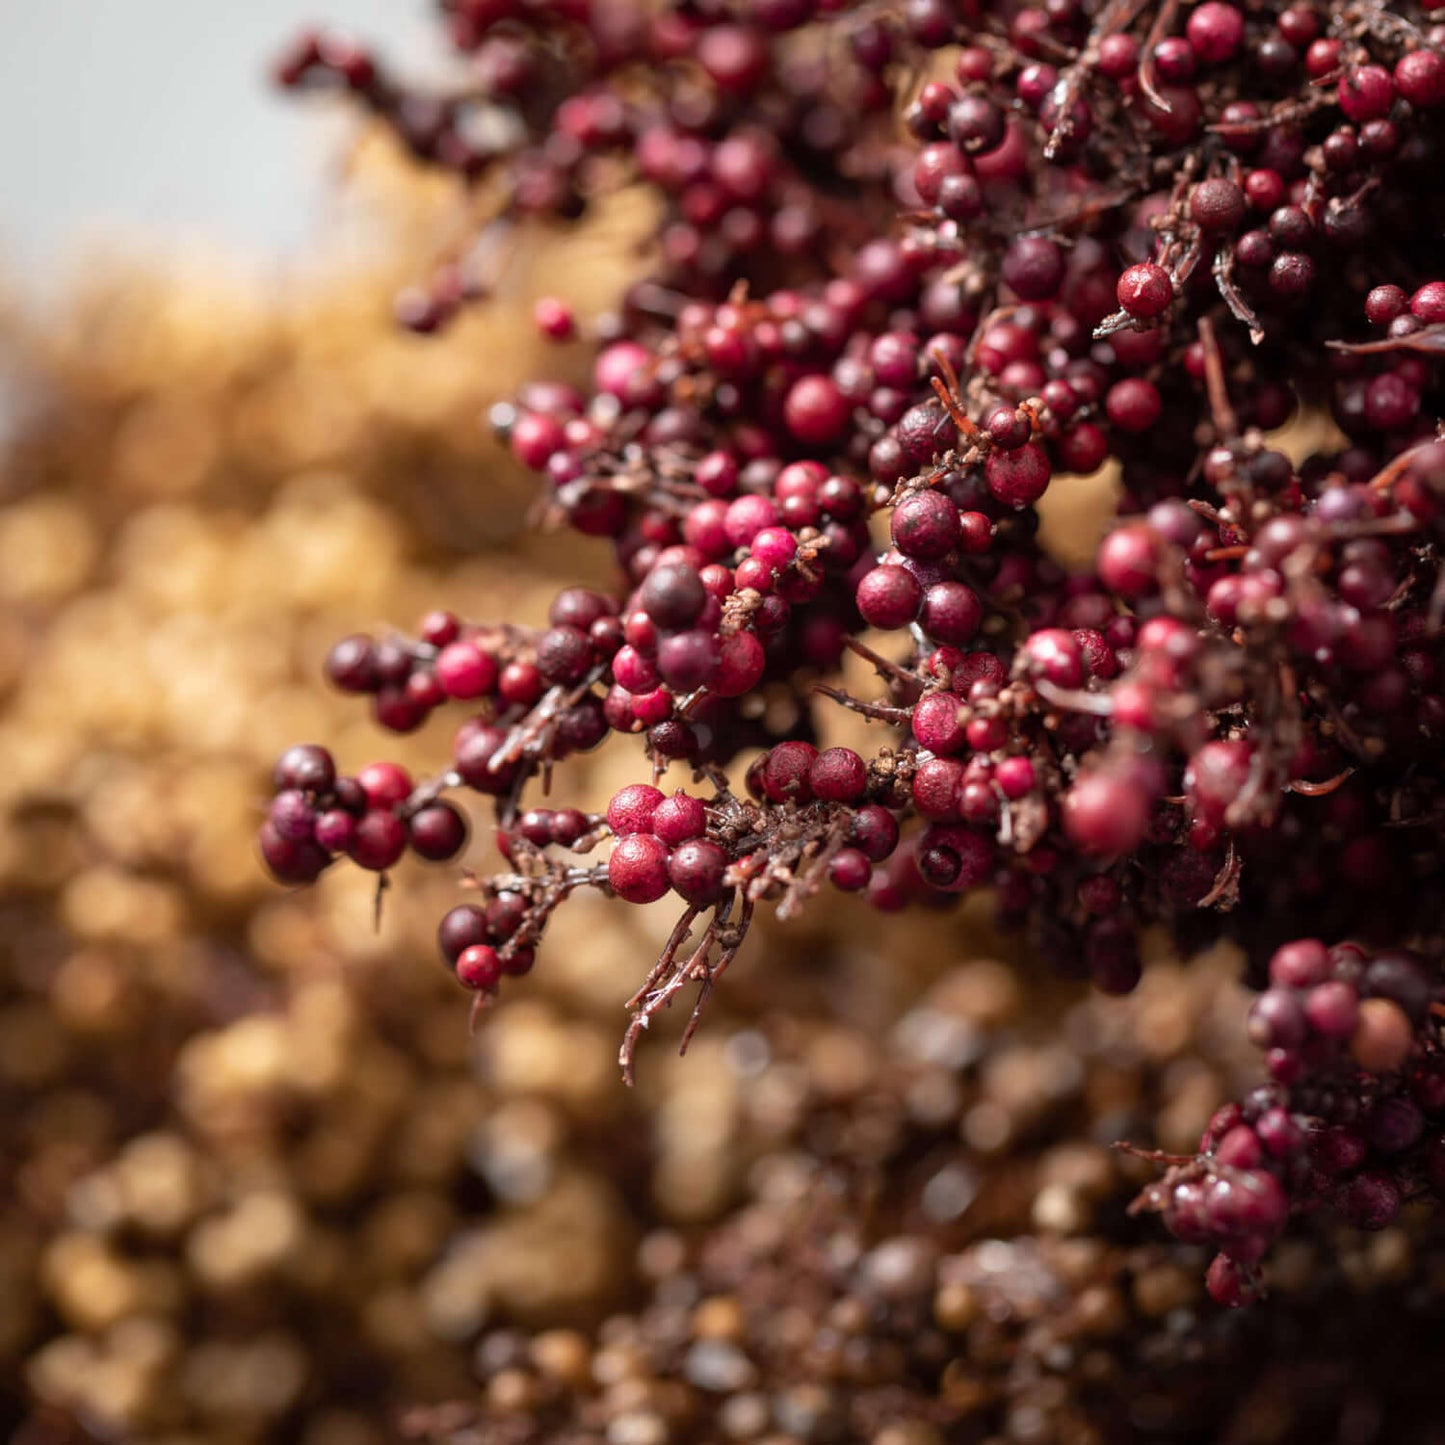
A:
x: 917, y: 265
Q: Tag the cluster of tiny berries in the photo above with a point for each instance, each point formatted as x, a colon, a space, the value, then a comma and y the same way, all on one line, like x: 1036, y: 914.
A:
x: 920, y: 264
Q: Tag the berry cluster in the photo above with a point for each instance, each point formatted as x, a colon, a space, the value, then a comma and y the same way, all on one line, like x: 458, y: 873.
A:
x: 1143, y: 235
x: 372, y: 818
x: 1353, y: 1115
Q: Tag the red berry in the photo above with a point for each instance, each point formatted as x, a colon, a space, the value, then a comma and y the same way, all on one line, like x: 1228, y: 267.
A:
x: 385, y: 784
x: 1145, y: 290
x: 1105, y: 815
x: 637, y: 869
x: 379, y: 841
x: 838, y: 775
x: 889, y: 597
x: 478, y: 967
x: 679, y: 818
x: 815, y: 411
x: 632, y: 808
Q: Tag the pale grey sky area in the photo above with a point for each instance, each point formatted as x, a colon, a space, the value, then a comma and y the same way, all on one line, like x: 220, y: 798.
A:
x: 153, y: 123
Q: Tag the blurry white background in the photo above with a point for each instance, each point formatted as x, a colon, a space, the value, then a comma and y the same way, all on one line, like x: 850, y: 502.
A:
x: 153, y: 123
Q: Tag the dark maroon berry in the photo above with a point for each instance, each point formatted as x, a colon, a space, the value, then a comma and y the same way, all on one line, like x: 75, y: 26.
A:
x: 292, y: 861
x: 351, y: 665
x: 874, y: 832
x: 379, y: 841
x: 307, y: 767
x: 925, y: 525
x: 696, y: 870
x: 673, y: 596
x: 889, y: 597
x: 292, y: 816
x: 437, y: 831
x: 838, y: 775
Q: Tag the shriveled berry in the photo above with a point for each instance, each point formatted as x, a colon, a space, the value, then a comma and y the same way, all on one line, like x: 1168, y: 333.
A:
x: 838, y: 775
x: 925, y: 525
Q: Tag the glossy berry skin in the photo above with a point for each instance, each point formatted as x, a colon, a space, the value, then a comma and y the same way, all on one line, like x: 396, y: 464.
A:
x: 673, y: 596
x: 379, y: 841
x: 479, y: 967
x: 291, y: 861
x: 437, y: 832
x: 385, y: 784
x: 1145, y: 291
x: 307, y: 767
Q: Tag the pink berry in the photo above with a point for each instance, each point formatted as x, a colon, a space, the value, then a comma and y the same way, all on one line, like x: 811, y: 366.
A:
x: 465, y: 671
x: 554, y: 319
